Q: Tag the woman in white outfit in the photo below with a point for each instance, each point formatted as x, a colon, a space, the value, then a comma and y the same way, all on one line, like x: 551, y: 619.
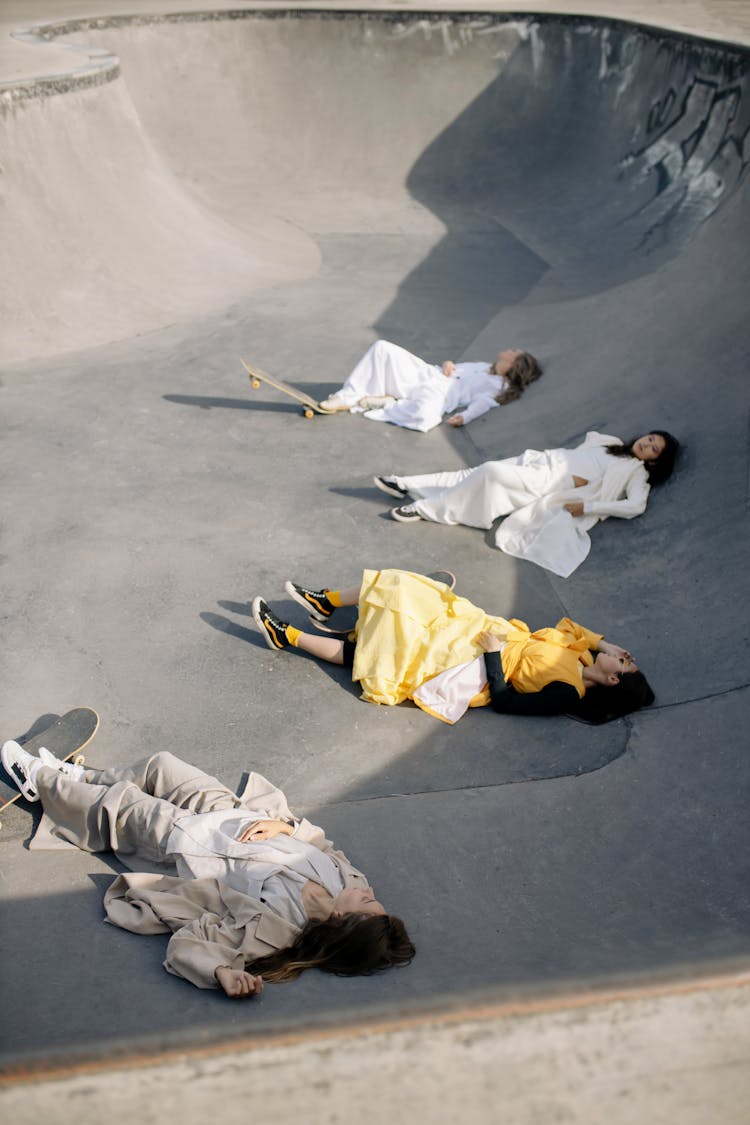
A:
x: 552, y: 498
x: 390, y: 384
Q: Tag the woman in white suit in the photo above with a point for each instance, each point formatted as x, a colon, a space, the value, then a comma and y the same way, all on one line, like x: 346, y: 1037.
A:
x: 552, y: 497
x: 390, y: 384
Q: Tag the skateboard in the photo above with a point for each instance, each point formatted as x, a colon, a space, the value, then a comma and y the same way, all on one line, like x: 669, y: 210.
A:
x: 309, y: 406
x: 65, y: 738
x: 447, y: 577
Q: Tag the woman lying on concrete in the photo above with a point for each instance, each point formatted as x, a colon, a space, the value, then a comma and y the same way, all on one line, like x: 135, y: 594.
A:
x: 390, y: 384
x: 555, y: 495
x: 259, y: 894
x: 415, y: 639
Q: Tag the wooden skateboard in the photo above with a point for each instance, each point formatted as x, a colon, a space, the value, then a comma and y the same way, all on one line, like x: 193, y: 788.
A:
x: 65, y: 738
x: 447, y: 577
x: 309, y: 406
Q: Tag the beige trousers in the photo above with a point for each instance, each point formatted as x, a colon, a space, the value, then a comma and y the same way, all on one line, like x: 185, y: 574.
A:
x: 129, y: 810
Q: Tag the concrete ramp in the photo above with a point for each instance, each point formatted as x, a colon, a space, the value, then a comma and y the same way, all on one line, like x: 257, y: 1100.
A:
x: 290, y: 186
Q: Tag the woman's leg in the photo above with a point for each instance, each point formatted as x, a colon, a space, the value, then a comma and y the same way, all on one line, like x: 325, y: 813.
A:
x: 476, y: 498
x: 130, y: 810
x: 168, y: 777
x: 280, y: 634
x: 384, y: 369
x: 421, y: 409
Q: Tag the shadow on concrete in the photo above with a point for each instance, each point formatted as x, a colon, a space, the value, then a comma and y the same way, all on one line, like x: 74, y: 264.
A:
x: 595, y: 211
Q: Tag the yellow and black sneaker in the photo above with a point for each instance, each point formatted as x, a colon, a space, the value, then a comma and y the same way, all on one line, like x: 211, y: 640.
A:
x: 315, y: 602
x: 272, y: 627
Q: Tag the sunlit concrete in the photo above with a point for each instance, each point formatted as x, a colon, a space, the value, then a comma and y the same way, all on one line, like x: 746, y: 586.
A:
x: 148, y: 493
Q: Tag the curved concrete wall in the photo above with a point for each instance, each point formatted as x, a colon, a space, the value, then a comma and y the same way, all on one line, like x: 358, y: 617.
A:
x: 190, y: 178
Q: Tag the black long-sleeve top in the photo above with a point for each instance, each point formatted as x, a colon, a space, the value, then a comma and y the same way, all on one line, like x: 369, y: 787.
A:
x: 555, y: 698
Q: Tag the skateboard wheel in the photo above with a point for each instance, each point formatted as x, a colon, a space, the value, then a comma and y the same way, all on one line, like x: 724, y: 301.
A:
x: 79, y: 759
x: 255, y: 383
x: 308, y: 413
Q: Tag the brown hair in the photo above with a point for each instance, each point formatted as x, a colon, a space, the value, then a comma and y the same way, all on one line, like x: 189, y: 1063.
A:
x: 525, y: 370
x: 349, y: 946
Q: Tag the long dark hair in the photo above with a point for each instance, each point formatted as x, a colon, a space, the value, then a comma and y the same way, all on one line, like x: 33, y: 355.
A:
x: 349, y: 946
x: 603, y: 703
x: 659, y: 469
x: 523, y: 371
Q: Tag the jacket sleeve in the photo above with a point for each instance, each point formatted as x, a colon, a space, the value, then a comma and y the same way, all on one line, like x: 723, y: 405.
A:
x: 554, y: 699
x: 196, y: 950
x: 632, y: 504
x: 477, y: 407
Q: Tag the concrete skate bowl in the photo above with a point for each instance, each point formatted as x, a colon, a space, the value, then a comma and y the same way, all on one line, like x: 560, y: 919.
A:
x: 299, y: 183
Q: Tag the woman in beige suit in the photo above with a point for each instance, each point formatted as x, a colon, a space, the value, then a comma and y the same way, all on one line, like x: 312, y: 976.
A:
x: 259, y: 894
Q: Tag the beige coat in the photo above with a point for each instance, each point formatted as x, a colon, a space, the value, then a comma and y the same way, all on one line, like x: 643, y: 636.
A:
x: 211, y: 923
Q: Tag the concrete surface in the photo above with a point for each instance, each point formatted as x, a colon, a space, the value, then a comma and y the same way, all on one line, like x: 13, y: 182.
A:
x: 452, y: 183
x: 659, y: 1059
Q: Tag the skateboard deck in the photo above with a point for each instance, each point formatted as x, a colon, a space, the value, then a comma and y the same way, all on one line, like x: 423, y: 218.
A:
x: 309, y: 405
x: 445, y: 576
x: 65, y: 738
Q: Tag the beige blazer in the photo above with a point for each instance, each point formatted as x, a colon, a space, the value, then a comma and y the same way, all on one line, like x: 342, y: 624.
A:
x: 211, y: 923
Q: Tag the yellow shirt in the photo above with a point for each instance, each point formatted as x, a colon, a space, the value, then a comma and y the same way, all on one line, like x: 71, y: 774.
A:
x: 533, y: 660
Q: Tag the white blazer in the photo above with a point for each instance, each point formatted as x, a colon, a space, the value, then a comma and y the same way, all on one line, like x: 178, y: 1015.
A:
x: 544, y: 533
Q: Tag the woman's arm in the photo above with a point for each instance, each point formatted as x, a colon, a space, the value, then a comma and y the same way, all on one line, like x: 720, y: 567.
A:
x: 476, y: 408
x: 633, y: 503
x: 554, y: 699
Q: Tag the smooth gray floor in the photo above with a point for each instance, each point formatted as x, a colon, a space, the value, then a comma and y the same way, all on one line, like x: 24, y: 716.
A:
x: 595, y: 211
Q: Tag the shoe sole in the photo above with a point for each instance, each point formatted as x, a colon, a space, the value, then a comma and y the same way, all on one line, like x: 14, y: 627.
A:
x: 404, y: 519
x: 258, y: 618
x: 316, y: 614
x: 399, y: 493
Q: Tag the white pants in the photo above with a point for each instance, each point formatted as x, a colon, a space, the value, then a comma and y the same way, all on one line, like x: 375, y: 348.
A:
x: 420, y: 388
x: 477, y: 497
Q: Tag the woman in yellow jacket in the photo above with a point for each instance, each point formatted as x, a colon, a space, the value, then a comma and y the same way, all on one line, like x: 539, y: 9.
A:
x: 415, y: 639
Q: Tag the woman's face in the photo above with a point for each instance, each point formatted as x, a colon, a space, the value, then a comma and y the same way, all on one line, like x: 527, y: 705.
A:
x: 610, y: 668
x: 505, y: 361
x: 648, y: 447
x: 357, y: 900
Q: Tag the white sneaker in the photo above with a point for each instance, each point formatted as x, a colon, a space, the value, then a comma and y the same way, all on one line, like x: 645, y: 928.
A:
x: 335, y: 402
x: 375, y: 402
x: 47, y: 758
x: 21, y: 768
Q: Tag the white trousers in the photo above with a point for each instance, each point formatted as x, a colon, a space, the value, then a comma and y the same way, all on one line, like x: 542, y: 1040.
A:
x: 420, y: 388
x: 477, y: 497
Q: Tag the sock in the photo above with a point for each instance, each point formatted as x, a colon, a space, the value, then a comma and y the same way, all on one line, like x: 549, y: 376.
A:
x: 293, y: 635
x: 334, y: 597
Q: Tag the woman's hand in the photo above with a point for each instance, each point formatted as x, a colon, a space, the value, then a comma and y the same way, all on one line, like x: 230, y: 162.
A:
x: 456, y: 420
x: 614, y: 650
x: 264, y: 830
x: 488, y: 641
x: 448, y: 368
x: 575, y: 507
x: 237, y: 983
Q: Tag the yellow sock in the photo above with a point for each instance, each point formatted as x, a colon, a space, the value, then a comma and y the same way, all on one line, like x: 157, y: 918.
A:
x: 293, y: 635
x: 334, y: 597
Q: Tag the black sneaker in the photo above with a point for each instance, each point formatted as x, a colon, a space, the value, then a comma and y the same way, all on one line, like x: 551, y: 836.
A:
x: 315, y: 601
x: 405, y: 514
x: 272, y: 628
x: 388, y: 484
